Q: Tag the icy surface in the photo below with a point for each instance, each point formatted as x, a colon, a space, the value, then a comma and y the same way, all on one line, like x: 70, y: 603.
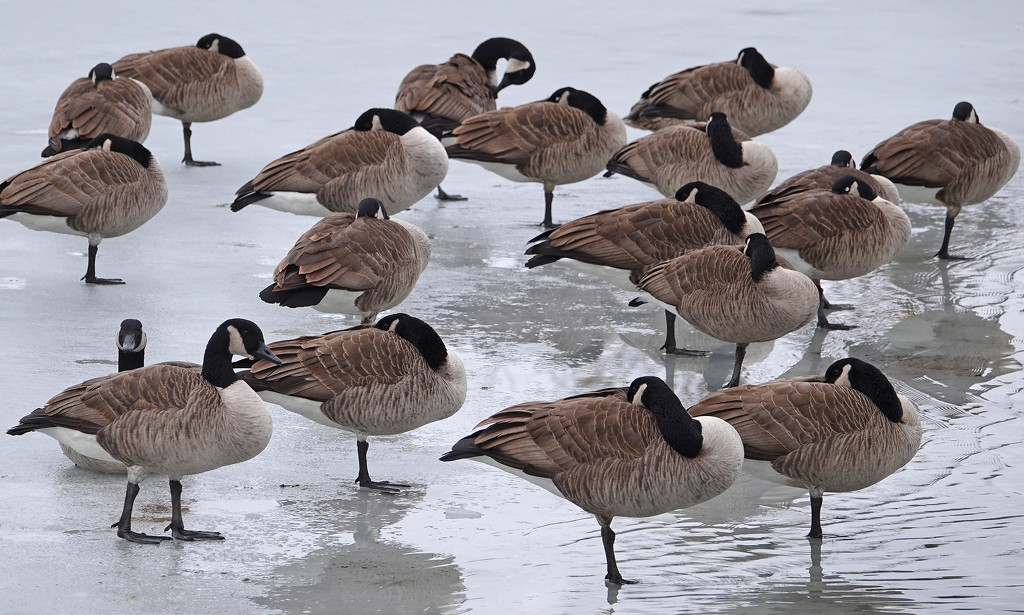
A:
x: 945, y: 533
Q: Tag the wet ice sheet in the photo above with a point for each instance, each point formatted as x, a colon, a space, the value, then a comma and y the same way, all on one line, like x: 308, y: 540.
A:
x: 943, y: 533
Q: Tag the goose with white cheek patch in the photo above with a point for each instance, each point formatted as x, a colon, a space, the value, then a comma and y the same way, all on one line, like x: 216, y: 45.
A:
x: 843, y: 431
x: 737, y: 295
x: 757, y: 96
x: 100, y: 103
x: 204, y: 82
x: 131, y: 354
x: 377, y: 380
x: 440, y: 96
x: 563, y: 139
x: 954, y: 163
x: 108, y: 189
x: 386, y: 155
x: 614, y: 453
x: 170, y: 418
x: 358, y: 264
x: 617, y: 245
x: 822, y: 178
x: 836, y: 234
x: 711, y: 153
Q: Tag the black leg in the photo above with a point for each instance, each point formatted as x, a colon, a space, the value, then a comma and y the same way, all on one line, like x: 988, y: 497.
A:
x: 823, y: 320
x: 548, y: 198
x: 825, y: 303
x: 737, y: 366
x: 815, y: 518
x: 608, y: 538
x: 943, y: 252
x: 187, y: 129
x: 177, y: 526
x: 90, y: 271
x: 670, y: 339
x: 124, y: 524
x: 444, y: 196
x: 364, y: 474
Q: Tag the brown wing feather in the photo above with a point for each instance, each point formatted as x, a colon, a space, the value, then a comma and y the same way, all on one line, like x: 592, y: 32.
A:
x: 694, y: 90
x: 457, y: 89
x: 809, y: 219
x: 514, y: 134
x: 121, y: 107
x: 177, y: 74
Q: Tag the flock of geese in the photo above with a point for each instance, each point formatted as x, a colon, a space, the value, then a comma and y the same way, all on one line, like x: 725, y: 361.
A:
x: 739, y: 275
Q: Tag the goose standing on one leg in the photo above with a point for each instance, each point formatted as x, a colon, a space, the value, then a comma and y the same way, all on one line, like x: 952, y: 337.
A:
x: 734, y: 296
x: 196, y: 83
x: 131, y: 354
x: 613, y: 453
x: 377, y: 380
x: 564, y: 139
x: 440, y: 96
x: 110, y: 188
x: 352, y: 264
x: 97, y: 104
x: 843, y: 431
x: 715, y: 154
x: 619, y: 244
x: 822, y: 178
x: 386, y: 155
x: 842, y: 233
x: 170, y: 418
x: 757, y: 96
x: 953, y: 162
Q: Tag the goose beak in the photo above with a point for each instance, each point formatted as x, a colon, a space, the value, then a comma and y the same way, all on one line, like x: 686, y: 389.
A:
x: 264, y: 353
x: 505, y: 82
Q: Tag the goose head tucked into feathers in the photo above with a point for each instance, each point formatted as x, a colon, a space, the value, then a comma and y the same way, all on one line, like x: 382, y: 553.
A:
x: 681, y: 432
x: 869, y: 380
x: 221, y: 44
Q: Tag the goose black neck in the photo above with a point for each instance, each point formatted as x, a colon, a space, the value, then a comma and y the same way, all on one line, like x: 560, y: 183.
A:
x: 725, y: 208
x: 217, y: 367
x: 681, y: 431
x: 761, y: 255
x: 870, y: 381
x: 490, y: 51
x: 418, y: 333
x: 723, y: 144
x: 130, y: 359
x: 760, y: 70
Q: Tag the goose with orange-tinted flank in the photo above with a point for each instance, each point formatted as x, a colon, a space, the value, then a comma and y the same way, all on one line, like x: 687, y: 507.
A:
x: 204, y: 82
x: 614, y: 453
x: 843, y: 431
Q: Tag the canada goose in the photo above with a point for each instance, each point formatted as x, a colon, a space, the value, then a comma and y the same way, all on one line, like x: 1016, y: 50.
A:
x: 131, y: 354
x: 170, y: 418
x: 842, y: 431
x: 97, y: 104
x: 110, y: 188
x: 197, y: 83
x: 564, y: 139
x: 613, y: 453
x: 384, y: 379
x: 734, y: 296
x: 953, y: 162
x: 757, y: 96
x: 824, y: 176
x: 618, y: 244
x: 385, y: 155
x: 440, y: 96
x: 676, y: 155
x: 842, y: 233
x: 352, y: 264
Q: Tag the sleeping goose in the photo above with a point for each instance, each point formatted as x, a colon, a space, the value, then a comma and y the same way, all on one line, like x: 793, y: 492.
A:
x: 131, y: 354
x: 384, y: 379
x: 197, y: 83
x: 843, y: 431
x: 613, y: 453
x: 440, y: 96
x: 170, y: 418
x: 953, y: 162
x: 713, y: 153
x: 842, y: 233
x: 737, y: 296
x: 352, y: 264
x: 618, y: 244
x: 564, y: 139
x: 108, y: 189
x: 97, y: 104
x: 385, y: 155
x: 757, y: 96
x: 822, y: 178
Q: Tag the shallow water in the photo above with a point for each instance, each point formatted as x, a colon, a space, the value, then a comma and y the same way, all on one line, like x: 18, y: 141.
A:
x: 943, y: 534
